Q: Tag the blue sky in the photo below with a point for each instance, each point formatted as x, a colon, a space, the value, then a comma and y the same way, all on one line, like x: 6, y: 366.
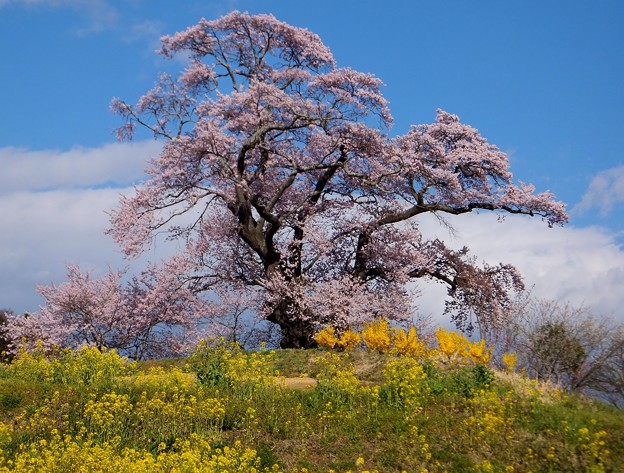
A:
x: 542, y: 80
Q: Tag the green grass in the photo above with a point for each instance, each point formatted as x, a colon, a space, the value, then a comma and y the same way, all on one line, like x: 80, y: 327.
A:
x: 392, y: 414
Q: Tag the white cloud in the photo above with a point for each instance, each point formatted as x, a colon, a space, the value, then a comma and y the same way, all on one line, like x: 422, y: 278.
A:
x: 42, y: 231
x: 584, y: 266
x: 53, y: 206
x: 117, y: 164
x: 606, y: 190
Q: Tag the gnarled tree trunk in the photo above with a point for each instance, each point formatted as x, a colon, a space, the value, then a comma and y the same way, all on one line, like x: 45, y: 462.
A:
x: 295, y: 332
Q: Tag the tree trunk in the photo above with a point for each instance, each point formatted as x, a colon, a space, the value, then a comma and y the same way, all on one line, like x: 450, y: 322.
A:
x: 296, y: 333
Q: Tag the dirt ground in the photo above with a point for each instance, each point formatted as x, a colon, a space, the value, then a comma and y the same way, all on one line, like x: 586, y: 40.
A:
x: 297, y: 383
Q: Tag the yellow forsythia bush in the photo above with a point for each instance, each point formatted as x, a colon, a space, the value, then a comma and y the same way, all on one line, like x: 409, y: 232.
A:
x: 408, y: 344
x: 456, y: 347
x: 327, y: 338
x: 377, y: 336
x: 478, y: 353
x: 380, y: 337
x: 349, y: 340
x: 510, y: 360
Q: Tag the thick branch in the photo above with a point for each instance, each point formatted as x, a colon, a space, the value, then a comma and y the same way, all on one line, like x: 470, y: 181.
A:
x: 327, y: 176
x: 422, y: 272
x: 419, y: 209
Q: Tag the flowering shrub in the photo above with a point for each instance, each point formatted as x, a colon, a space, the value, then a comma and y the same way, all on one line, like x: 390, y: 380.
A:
x: 510, y: 360
x: 408, y: 344
x: 457, y: 348
x: 451, y: 344
x: 349, y: 340
x: 327, y: 338
x: 478, y: 353
x: 377, y: 336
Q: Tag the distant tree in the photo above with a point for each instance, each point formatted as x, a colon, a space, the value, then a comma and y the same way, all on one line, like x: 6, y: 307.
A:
x: 566, y: 345
x: 555, y: 353
x: 610, y: 380
x: 278, y: 176
x: 5, y: 339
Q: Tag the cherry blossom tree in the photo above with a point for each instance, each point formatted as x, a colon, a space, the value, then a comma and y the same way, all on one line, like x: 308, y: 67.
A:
x: 140, y: 318
x: 279, y: 177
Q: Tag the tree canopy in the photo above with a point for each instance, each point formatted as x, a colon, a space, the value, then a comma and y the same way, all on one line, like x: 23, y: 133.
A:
x: 281, y: 179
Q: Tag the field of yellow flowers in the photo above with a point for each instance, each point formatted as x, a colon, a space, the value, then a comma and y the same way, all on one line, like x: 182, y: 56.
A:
x: 377, y: 401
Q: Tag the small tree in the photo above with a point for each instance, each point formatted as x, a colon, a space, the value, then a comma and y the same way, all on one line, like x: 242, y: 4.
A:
x: 610, y: 380
x: 278, y: 174
x: 555, y: 353
x: 566, y: 345
x: 147, y: 317
x: 232, y: 314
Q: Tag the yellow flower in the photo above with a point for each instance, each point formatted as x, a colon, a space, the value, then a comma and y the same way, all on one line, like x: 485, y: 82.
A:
x: 407, y: 344
x: 510, y: 360
x: 349, y: 340
x: 327, y: 338
x: 456, y: 347
x: 376, y: 335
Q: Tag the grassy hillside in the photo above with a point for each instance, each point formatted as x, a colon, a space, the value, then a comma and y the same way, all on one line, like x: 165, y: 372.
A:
x: 227, y: 410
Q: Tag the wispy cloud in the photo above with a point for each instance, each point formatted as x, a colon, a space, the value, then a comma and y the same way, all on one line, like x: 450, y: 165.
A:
x: 144, y: 29
x: 605, y: 192
x: 118, y: 164
x: 100, y: 14
x: 146, y: 34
